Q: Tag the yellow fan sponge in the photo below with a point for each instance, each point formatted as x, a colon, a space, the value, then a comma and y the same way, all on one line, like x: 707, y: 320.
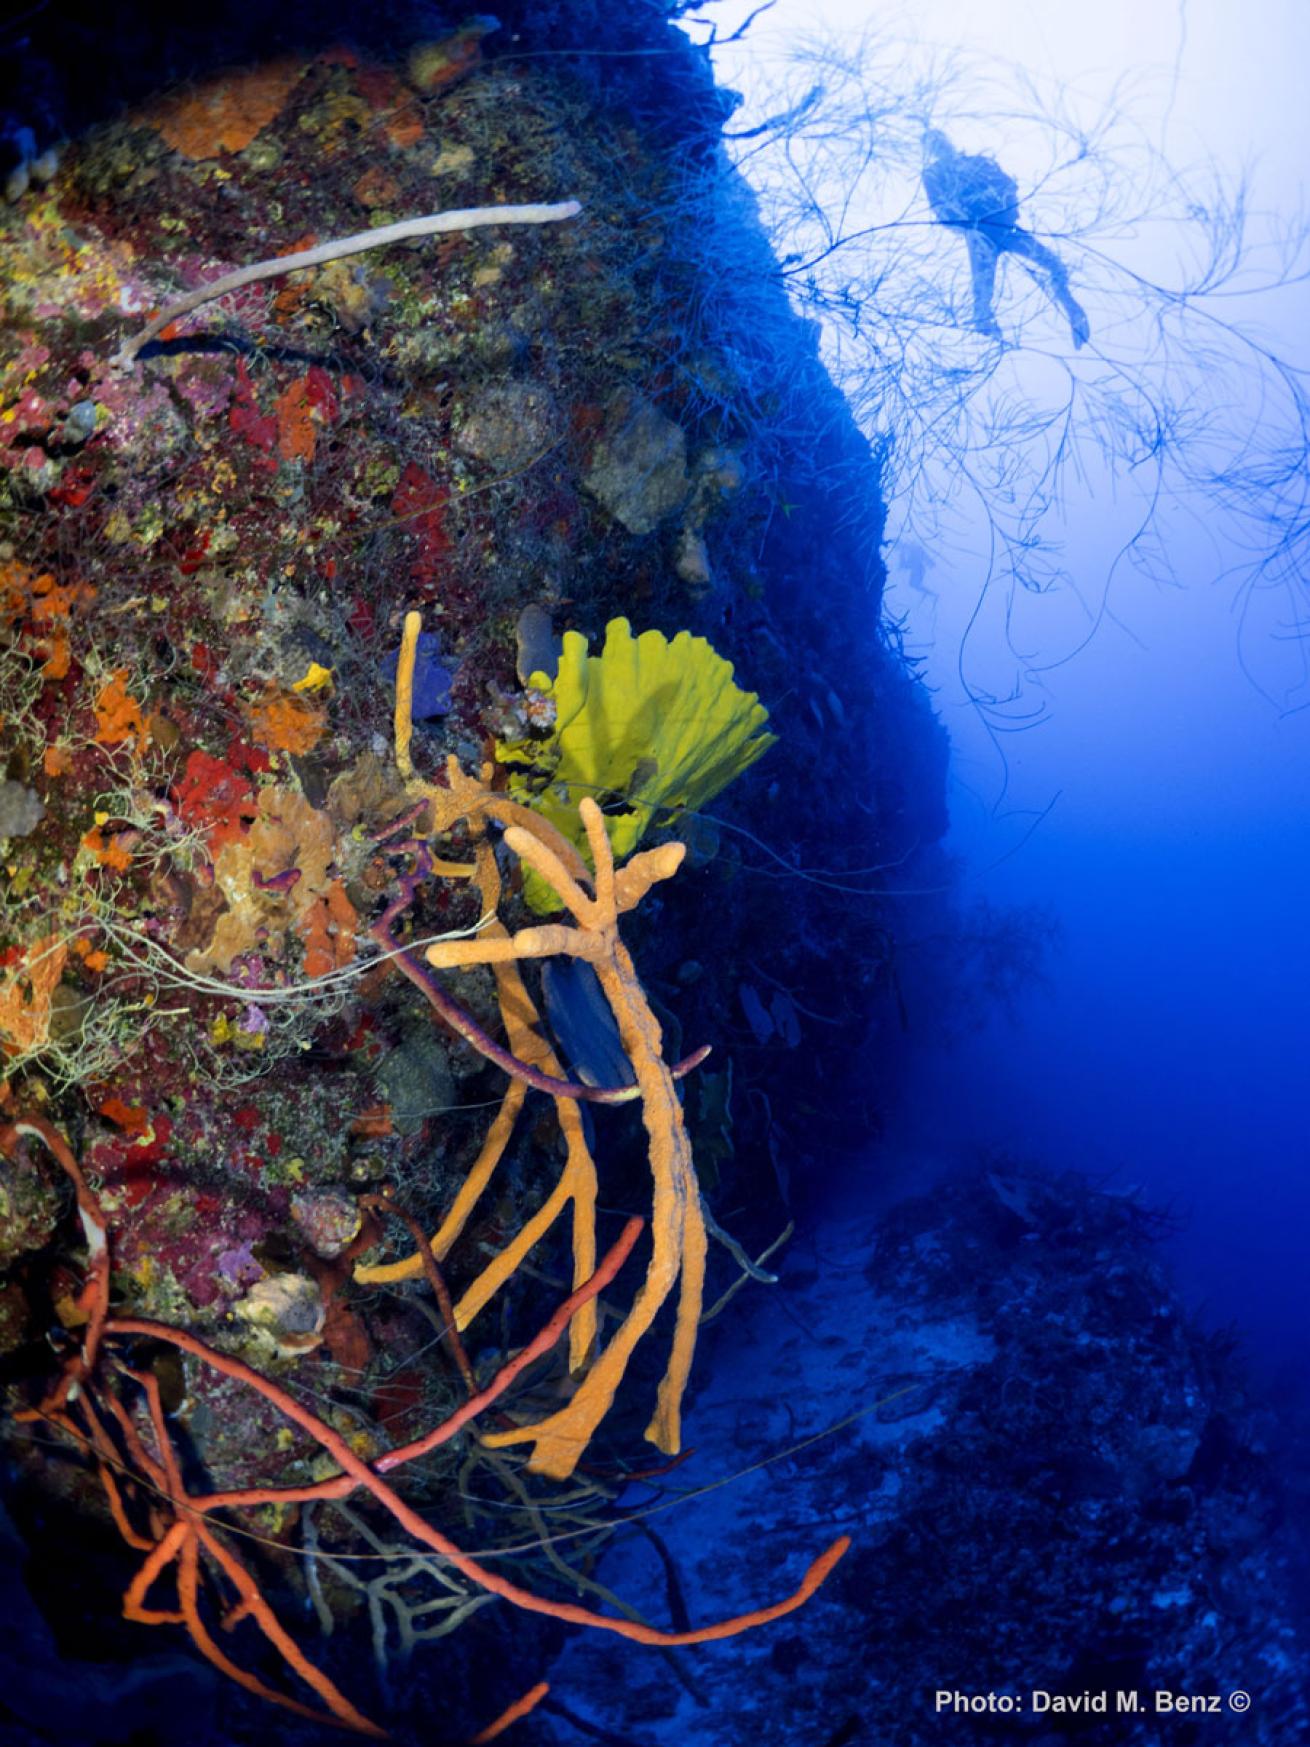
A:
x: 648, y: 728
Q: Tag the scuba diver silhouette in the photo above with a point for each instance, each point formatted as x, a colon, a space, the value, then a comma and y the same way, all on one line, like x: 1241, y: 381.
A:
x: 973, y: 195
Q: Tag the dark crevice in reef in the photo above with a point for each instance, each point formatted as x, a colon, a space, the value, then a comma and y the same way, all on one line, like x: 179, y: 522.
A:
x: 613, y: 417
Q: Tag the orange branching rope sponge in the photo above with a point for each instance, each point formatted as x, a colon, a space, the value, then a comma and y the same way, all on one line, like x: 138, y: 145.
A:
x: 677, y: 1225
x: 677, y: 1221
x: 127, y: 1435
x: 577, y: 1183
x: 404, y: 723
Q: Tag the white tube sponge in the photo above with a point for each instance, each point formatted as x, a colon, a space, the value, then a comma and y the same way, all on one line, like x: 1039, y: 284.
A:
x: 469, y: 218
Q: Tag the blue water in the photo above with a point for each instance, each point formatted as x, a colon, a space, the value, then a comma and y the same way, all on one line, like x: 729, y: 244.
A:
x: 1168, y: 1048
x: 1130, y: 719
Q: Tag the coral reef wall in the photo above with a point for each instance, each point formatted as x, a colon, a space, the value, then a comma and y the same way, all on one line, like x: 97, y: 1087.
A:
x: 209, y: 550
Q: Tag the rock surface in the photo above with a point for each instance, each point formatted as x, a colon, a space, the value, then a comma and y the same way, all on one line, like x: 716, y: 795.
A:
x: 639, y: 468
x: 1053, y: 1481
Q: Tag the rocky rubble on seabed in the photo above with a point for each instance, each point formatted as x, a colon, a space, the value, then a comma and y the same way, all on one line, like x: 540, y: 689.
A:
x: 1056, y: 1484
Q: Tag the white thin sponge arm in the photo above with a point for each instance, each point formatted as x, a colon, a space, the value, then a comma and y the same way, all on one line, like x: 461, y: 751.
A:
x: 470, y: 218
